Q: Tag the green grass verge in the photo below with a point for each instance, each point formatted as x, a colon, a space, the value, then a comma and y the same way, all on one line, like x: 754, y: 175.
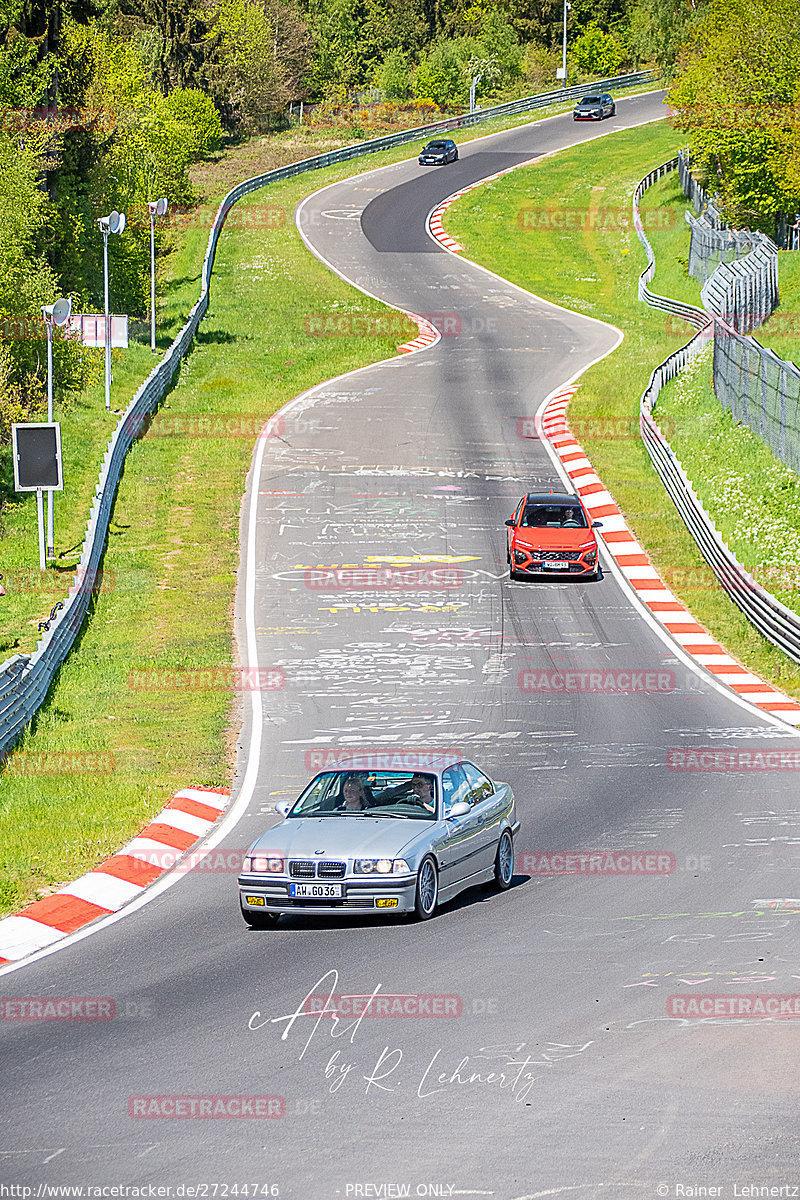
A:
x: 663, y: 209
x: 593, y: 267
x: 103, y: 754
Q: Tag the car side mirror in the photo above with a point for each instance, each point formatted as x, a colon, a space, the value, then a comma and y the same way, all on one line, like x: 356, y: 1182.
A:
x: 510, y: 522
x: 597, y: 524
x: 282, y: 807
x: 461, y: 809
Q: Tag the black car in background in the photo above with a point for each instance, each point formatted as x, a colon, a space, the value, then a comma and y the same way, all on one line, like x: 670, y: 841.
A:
x: 594, y: 108
x: 438, y: 152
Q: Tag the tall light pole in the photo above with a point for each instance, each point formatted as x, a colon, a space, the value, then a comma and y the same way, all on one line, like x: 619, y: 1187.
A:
x: 113, y: 223
x: 54, y: 314
x: 157, y: 209
x: 567, y: 6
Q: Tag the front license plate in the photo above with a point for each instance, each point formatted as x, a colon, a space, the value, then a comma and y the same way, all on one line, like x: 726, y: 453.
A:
x: 555, y: 565
x: 258, y: 901
x: 315, y: 891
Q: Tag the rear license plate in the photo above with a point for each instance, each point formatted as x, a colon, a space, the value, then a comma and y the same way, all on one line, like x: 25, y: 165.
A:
x: 257, y: 901
x: 314, y: 891
x: 555, y: 565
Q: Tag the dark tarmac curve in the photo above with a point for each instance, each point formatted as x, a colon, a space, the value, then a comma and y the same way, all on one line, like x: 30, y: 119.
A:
x: 563, y: 982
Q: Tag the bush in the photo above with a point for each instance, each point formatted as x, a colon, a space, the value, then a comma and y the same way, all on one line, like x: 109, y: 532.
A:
x: 393, y: 76
x: 441, y: 76
x: 539, y: 67
x: 198, y: 119
x: 598, y: 53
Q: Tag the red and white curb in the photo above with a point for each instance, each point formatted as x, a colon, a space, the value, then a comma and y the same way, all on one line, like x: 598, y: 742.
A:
x: 642, y: 576
x: 435, y: 227
x: 427, y: 336
x: 189, y: 816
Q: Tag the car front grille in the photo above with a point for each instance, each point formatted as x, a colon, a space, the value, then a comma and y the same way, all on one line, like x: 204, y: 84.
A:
x: 556, y: 555
x: 299, y: 869
x: 331, y: 870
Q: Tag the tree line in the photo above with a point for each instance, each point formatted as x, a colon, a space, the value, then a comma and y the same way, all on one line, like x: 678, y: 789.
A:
x: 106, y: 103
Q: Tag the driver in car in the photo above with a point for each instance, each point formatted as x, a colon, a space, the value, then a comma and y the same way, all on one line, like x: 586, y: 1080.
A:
x: 422, y: 787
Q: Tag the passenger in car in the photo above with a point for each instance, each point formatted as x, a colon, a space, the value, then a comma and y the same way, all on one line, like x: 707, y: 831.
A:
x: 355, y: 797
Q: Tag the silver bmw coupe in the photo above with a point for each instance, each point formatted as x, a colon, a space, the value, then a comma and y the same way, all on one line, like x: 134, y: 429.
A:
x: 373, y: 841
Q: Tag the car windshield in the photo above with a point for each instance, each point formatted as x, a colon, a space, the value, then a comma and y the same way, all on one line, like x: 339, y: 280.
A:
x: 591, y: 100
x: 386, y: 794
x: 436, y: 146
x: 556, y: 516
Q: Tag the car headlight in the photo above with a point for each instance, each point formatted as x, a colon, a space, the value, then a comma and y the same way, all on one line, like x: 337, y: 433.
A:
x: 381, y: 866
x: 264, y: 864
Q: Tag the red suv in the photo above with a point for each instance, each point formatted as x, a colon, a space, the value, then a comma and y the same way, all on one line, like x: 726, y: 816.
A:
x: 551, y: 533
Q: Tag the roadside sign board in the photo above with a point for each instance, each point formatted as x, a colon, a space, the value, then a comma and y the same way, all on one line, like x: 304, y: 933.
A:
x: 91, y: 329
x: 37, y: 457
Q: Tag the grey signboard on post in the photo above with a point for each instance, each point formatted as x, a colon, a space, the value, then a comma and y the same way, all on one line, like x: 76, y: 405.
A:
x: 37, y: 457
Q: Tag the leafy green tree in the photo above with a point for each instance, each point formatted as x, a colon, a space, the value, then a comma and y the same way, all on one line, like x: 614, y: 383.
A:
x: 598, y: 53
x: 26, y: 283
x: 393, y: 77
x: 354, y: 37
x: 659, y: 29
x: 183, y: 45
x: 498, y: 42
x: 736, y: 94
x: 263, y: 49
x: 197, y: 119
x: 340, y: 60
x: 441, y: 77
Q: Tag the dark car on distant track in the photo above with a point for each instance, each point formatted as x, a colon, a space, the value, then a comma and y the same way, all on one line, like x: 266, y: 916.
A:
x: 438, y: 152
x: 594, y: 108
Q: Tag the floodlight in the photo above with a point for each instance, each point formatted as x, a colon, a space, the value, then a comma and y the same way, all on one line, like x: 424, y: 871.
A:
x: 61, y: 311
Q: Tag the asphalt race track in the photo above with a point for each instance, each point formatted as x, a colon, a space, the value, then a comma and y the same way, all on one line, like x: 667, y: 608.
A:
x: 557, y: 1068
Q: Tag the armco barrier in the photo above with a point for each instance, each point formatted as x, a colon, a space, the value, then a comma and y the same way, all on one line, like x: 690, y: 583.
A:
x: 25, y: 679
x: 771, y: 618
x: 743, y: 287
x: 694, y: 316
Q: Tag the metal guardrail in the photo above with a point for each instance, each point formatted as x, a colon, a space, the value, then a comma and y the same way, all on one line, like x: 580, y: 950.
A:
x: 745, y: 293
x: 771, y: 618
x: 694, y: 316
x: 750, y: 380
x: 26, y: 678
x: 738, y: 267
x: 714, y: 244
